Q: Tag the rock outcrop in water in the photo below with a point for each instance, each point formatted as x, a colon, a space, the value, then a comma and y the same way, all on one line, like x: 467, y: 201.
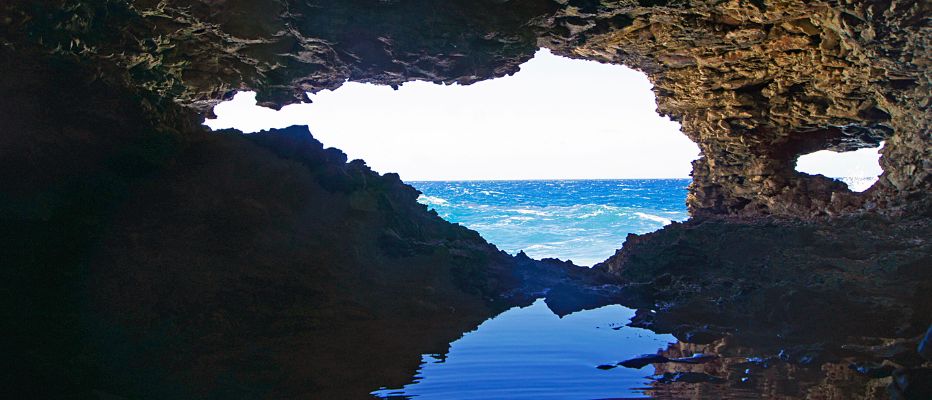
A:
x: 798, y: 279
x: 839, y: 306
x: 143, y: 252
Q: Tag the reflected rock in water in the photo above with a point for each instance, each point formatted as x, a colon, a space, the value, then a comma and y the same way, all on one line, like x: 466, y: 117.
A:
x: 532, y: 353
x: 781, y: 310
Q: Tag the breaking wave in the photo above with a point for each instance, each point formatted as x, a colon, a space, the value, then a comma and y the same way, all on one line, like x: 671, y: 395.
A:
x: 859, y: 183
x: 431, y: 200
x: 584, y: 221
x: 655, y: 218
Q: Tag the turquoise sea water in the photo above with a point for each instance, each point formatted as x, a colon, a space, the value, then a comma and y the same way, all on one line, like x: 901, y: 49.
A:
x: 581, y: 220
x: 531, y: 353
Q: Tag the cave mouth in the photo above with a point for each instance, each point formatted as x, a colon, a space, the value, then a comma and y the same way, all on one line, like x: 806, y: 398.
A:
x: 858, y: 169
x: 561, y: 160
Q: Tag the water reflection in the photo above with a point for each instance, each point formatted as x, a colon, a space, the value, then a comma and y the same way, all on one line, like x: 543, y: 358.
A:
x: 530, y: 353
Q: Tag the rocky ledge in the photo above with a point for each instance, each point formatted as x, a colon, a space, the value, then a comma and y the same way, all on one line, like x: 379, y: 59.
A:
x: 143, y: 259
x: 754, y: 83
x: 840, y: 306
x: 144, y: 255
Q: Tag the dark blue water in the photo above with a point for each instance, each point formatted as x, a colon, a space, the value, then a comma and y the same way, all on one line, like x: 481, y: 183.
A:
x: 581, y: 220
x: 530, y: 353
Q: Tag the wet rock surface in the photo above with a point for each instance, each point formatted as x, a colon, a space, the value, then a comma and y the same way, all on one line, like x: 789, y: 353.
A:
x: 841, y: 308
x: 643, y: 361
x: 146, y: 257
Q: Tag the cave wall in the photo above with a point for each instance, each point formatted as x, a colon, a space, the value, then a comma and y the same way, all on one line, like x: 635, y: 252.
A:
x: 123, y: 219
x: 758, y: 83
x: 144, y: 256
x: 754, y: 83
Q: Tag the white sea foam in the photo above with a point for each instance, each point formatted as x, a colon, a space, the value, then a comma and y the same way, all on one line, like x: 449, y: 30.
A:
x: 655, y: 218
x: 431, y: 200
x: 592, y: 214
x: 599, y: 210
x: 586, y: 227
x: 859, y: 183
x: 531, y: 212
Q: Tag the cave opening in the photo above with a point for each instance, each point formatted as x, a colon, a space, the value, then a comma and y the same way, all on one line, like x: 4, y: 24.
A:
x: 562, y: 159
x: 858, y: 169
x: 148, y: 258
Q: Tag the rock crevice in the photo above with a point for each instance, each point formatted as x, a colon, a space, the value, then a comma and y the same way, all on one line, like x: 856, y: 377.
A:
x: 757, y: 84
x: 754, y: 83
x: 131, y: 232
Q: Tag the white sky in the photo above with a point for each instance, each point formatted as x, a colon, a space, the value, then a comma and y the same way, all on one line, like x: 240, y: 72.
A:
x: 860, y: 163
x: 555, y: 119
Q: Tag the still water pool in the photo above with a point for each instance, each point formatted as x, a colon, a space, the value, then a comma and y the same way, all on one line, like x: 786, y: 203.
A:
x: 530, y: 353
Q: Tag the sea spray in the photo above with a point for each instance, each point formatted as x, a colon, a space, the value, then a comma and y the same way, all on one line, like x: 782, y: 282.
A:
x: 581, y: 220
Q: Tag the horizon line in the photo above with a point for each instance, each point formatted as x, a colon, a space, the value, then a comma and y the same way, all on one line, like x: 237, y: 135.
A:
x: 593, y: 179
x: 537, y: 179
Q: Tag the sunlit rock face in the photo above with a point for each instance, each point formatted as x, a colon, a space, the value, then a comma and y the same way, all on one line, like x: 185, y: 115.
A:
x: 125, y: 222
x: 755, y: 83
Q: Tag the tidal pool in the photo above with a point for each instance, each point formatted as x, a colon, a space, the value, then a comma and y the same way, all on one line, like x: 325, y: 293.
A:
x: 531, y: 353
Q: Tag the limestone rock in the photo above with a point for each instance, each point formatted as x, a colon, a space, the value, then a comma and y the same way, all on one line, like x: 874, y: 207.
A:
x: 754, y: 83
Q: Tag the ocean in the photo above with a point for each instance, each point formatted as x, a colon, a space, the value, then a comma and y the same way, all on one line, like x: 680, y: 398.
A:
x: 581, y: 220
x: 529, y: 352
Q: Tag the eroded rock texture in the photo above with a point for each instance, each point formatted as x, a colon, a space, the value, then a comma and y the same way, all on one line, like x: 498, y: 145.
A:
x: 144, y: 256
x: 865, y: 275
x: 755, y: 83
x: 196, y: 52
x: 835, y: 308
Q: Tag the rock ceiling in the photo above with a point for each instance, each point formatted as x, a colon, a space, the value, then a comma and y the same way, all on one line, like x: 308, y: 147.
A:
x: 755, y: 83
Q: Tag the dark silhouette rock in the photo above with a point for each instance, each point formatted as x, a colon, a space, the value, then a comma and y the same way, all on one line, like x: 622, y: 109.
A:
x: 873, y: 370
x: 643, y: 361
x: 146, y: 257
x: 911, y: 384
x: 698, y: 335
x: 802, y: 279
